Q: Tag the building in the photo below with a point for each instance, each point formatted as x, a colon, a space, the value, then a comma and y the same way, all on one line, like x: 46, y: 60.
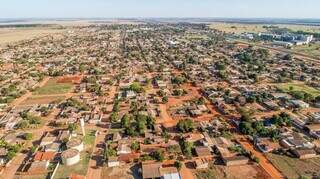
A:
x: 75, y: 143
x: 70, y: 157
x: 113, y: 162
x: 235, y: 160
x: 156, y: 170
x: 304, y: 153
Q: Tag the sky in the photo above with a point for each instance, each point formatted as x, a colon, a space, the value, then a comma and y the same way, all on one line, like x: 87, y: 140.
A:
x: 159, y: 8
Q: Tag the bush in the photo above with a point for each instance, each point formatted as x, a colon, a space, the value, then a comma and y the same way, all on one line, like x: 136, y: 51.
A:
x: 28, y: 136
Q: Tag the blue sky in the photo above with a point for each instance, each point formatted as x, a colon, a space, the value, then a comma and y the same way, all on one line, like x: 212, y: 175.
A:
x: 160, y: 8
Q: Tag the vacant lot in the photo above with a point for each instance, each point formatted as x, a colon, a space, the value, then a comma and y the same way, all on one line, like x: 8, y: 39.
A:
x: 238, y: 28
x: 12, y: 35
x: 42, y: 99
x: 52, y: 87
x: 232, y: 172
x: 123, y: 172
x: 298, y: 87
x: 295, y: 168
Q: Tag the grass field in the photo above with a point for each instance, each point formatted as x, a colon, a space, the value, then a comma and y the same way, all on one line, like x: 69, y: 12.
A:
x: 52, y: 87
x: 313, y: 49
x: 238, y: 28
x: 294, y: 168
x: 12, y: 35
x: 298, y: 87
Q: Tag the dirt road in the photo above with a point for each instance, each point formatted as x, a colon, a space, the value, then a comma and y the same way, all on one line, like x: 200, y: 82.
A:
x: 264, y: 162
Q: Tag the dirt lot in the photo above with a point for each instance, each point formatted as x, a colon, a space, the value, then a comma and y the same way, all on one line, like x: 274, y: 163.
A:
x: 232, y: 172
x: 12, y: 35
x: 123, y: 172
x: 42, y: 99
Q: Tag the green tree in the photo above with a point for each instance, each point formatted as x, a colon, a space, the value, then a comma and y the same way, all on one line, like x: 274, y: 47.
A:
x: 185, y: 125
x: 72, y: 127
x: 165, y: 99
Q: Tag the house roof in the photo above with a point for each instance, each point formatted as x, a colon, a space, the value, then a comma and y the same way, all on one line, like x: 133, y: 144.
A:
x: 151, y: 170
x: 44, y: 156
x: 202, y: 151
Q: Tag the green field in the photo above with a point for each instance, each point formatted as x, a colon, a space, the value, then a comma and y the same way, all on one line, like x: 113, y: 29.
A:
x: 52, y: 87
x: 313, y: 49
x: 294, y: 168
x: 298, y: 87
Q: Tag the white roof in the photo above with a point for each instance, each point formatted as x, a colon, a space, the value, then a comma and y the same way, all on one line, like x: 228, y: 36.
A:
x: 171, y: 176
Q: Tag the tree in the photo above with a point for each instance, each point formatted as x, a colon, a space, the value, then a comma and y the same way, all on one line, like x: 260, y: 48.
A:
x: 158, y: 155
x: 125, y: 121
x: 164, y: 99
x: 178, y: 165
x: 185, y: 125
x: 135, y: 146
x: 287, y: 57
x: 136, y: 87
x: 186, y: 147
x: 114, y: 117
x: 72, y: 127
x: 28, y: 136
x: 246, y: 128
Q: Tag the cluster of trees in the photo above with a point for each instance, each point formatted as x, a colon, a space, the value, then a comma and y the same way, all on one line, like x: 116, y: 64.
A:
x: 283, y: 119
x: 12, y: 149
x: 157, y: 155
x: 179, y: 92
x: 185, y: 126
x: 178, y: 80
x: 249, y: 127
x: 186, y: 147
x: 135, y: 125
x: 28, y: 120
x: 10, y: 93
x: 302, y: 95
x: 136, y: 87
x: 72, y: 102
x: 109, y: 151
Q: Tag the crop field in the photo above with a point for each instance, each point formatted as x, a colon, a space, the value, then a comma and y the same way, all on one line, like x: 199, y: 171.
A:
x: 298, y: 87
x: 295, y: 168
x: 53, y: 87
x: 12, y: 35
